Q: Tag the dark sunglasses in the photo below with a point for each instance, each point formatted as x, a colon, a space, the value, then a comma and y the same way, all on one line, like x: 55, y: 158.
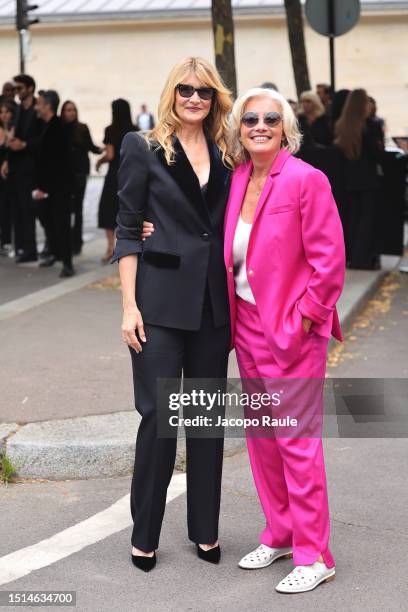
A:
x: 251, y: 119
x: 187, y: 91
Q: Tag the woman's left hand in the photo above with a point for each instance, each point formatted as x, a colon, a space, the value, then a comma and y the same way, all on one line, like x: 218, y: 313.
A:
x: 307, y: 324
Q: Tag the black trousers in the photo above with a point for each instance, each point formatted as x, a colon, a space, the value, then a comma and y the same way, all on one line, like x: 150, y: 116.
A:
x: 168, y: 352
x: 77, y: 208
x: 54, y: 213
x: 24, y: 213
x: 5, y: 212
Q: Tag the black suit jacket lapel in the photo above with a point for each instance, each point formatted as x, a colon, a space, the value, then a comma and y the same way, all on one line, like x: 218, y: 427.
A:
x: 219, y: 177
x: 183, y: 174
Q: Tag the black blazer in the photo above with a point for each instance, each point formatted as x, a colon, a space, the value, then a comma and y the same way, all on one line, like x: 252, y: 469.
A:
x: 54, y: 163
x: 28, y: 127
x: 317, y: 133
x: 81, y: 144
x: 186, y: 249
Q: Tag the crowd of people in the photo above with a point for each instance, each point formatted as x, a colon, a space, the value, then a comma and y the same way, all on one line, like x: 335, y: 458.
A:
x: 44, y: 160
x: 344, y: 137
x: 44, y: 166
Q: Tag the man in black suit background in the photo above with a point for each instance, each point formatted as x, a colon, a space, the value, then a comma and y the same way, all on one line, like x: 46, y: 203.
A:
x: 54, y: 182
x: 20, y: 168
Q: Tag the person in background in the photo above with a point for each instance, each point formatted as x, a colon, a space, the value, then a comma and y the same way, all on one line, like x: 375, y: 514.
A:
x: 339, y: 100
x: 378, y: 121
x: 6, y: 131
x: 358, y: 137
x: 145, y: 120
x: 6, y: 123
x: 53, y: 186
x: 21, y: 166
x: 108, y: 204
x: 269, y: 85
x: 313, y: 121
x: 325, y: 93
x: 81, y: 145
x: 294, y: 106
x: 8, y: 94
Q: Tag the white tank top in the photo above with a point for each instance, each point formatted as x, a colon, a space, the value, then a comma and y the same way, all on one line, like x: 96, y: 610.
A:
x: 239, y: 252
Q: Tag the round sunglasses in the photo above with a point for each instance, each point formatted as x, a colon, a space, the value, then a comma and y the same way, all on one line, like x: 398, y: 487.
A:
x: 251, y: 119
x: 187, y: 91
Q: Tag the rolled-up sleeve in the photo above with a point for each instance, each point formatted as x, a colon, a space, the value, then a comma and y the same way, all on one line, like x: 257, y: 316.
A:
x: 132, y: 193
x: 323, y: 244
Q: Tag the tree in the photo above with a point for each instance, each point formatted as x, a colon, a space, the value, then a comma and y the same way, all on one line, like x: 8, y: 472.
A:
x: 223, y: 30
x: 297, y: 45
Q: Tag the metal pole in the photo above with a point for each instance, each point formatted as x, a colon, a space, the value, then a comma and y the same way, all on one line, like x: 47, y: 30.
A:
x: 332, y: 66
x: 22, y: 62
x: 332, y: 29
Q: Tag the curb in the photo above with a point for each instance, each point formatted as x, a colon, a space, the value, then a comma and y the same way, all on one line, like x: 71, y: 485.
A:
x: 104, y: 445
x: 350, y: 310
x: 98, y: 446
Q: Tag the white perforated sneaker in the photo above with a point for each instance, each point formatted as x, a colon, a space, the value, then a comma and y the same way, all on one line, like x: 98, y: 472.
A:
x: 263, y: 556
x: 306, y: 578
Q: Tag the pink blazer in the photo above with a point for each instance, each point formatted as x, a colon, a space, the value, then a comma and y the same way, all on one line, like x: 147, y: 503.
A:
x: 295, y: 258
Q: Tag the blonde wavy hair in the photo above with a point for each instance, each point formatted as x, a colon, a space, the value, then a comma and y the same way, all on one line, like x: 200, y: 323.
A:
x: 311, y: 96
x: 215, y: 124
x: 292, y: 135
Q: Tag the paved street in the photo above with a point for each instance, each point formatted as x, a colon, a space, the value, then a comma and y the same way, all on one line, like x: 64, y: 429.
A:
x: 368, y: 497
x: 16, y: 281
x: 282, y: 83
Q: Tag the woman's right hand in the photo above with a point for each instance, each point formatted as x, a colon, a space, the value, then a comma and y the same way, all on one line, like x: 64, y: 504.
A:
x: 132, y: 321
x: 148, y: 229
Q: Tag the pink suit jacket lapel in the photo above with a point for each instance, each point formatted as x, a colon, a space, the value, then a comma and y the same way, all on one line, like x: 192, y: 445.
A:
x: 238, y: 188
x: 277, y: 166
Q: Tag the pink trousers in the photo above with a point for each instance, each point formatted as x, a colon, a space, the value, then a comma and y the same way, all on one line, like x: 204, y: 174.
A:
x: 289, y: 472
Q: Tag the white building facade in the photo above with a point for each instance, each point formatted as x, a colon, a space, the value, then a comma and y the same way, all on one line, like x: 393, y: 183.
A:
x: 97, y: 50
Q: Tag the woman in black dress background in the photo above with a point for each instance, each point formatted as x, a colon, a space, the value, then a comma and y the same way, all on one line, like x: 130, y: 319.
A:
x: 81, y: 145
x: 108, y: 204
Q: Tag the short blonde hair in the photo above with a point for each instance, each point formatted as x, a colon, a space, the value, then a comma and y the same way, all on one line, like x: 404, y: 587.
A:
x: 293, y: 137
x: 216, y: 123
x: 312, y: 97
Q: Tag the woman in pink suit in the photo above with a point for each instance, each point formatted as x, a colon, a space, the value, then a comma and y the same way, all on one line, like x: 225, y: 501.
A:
x: 284, y: 253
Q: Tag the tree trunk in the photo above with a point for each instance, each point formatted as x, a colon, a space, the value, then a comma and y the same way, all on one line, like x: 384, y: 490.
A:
x: 223, y: 30
x: 297, y: 45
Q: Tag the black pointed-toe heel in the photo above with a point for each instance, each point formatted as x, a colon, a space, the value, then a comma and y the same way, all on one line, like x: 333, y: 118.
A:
x: 144, y: 563
x: 212, y: 556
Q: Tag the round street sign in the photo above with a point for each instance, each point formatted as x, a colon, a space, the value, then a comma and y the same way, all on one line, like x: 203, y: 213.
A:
x: 345, y: 14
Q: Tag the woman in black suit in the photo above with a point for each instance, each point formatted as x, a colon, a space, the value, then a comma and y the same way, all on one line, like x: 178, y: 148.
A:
x: 176, y: 315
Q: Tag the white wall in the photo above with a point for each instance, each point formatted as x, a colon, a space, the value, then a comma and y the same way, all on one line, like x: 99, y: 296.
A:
x: 95, y: 63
